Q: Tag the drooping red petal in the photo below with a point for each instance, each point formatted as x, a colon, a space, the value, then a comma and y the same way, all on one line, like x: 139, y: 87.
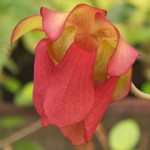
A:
x: 123, y: 86
x: 103, y: 96
x: 107, y: 40
x: 43, y: 67
x: 44, y: 122
x: 122, y: 59
x: 75, y: 133
x: 70, y: 94
x: 53, y: 22
x: 82, y: 132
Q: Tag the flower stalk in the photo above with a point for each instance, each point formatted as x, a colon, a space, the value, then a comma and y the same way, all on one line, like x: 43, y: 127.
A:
x: 135, y: 91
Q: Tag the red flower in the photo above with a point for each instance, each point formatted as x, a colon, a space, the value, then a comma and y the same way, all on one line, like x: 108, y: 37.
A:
x: 82, y: 67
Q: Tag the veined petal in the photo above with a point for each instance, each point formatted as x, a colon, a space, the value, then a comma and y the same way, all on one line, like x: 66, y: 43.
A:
x: 58, y: 49
x: 26, y: 25
x: 103, y: 97
x: 70, y: 94
x: 43, y: 68
x: 86, y: 42
x: 107, y: 36
x: 122, y: 59
x: 53, y: 22
x: 82, y: 17
x: 123, y: 86
x: 82, y: 132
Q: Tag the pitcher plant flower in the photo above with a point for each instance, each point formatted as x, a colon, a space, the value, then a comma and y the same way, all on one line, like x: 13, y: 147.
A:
x: 81, y: 67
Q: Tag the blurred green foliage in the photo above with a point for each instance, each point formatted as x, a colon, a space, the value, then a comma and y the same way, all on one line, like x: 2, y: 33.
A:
x: 27, y: 145
x: 24, y: 96
x: 125, y: 135
x: 12, y: 122
x: 11, y: 84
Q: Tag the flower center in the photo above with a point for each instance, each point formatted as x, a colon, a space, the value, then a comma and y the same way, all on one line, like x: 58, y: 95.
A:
x: 86, y: 41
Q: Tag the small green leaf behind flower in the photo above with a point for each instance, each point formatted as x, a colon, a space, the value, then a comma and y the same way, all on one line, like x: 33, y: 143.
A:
x: 12, y: 122
x: 24, y: 96
x: 27, y: 145
x: 11, y: 84
x: 125, y: 135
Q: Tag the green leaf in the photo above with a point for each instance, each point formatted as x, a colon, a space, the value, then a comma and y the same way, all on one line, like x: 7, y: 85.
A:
x: 124, y: 135
x: 139, y: 36
x: 66, y: 5
x: 27, y: 145
x: 146, y: 87
x: 121, y: 12
x: 12, y: 66
x: 24, y: 96
x: 12, y: 122
x: 140, y: 4
x: 11, y: 84
x: 105, y: 4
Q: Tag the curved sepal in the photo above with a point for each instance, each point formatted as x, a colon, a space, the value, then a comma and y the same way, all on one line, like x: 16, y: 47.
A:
x: 26, y: 25
x: 53, y: 22
x: 123, y: 59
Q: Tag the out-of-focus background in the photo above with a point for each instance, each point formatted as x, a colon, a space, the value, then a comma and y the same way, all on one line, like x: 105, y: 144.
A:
x: 127, y: 123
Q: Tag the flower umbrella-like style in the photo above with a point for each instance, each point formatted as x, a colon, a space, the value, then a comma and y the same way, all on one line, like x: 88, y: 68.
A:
x: 80, y: 68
